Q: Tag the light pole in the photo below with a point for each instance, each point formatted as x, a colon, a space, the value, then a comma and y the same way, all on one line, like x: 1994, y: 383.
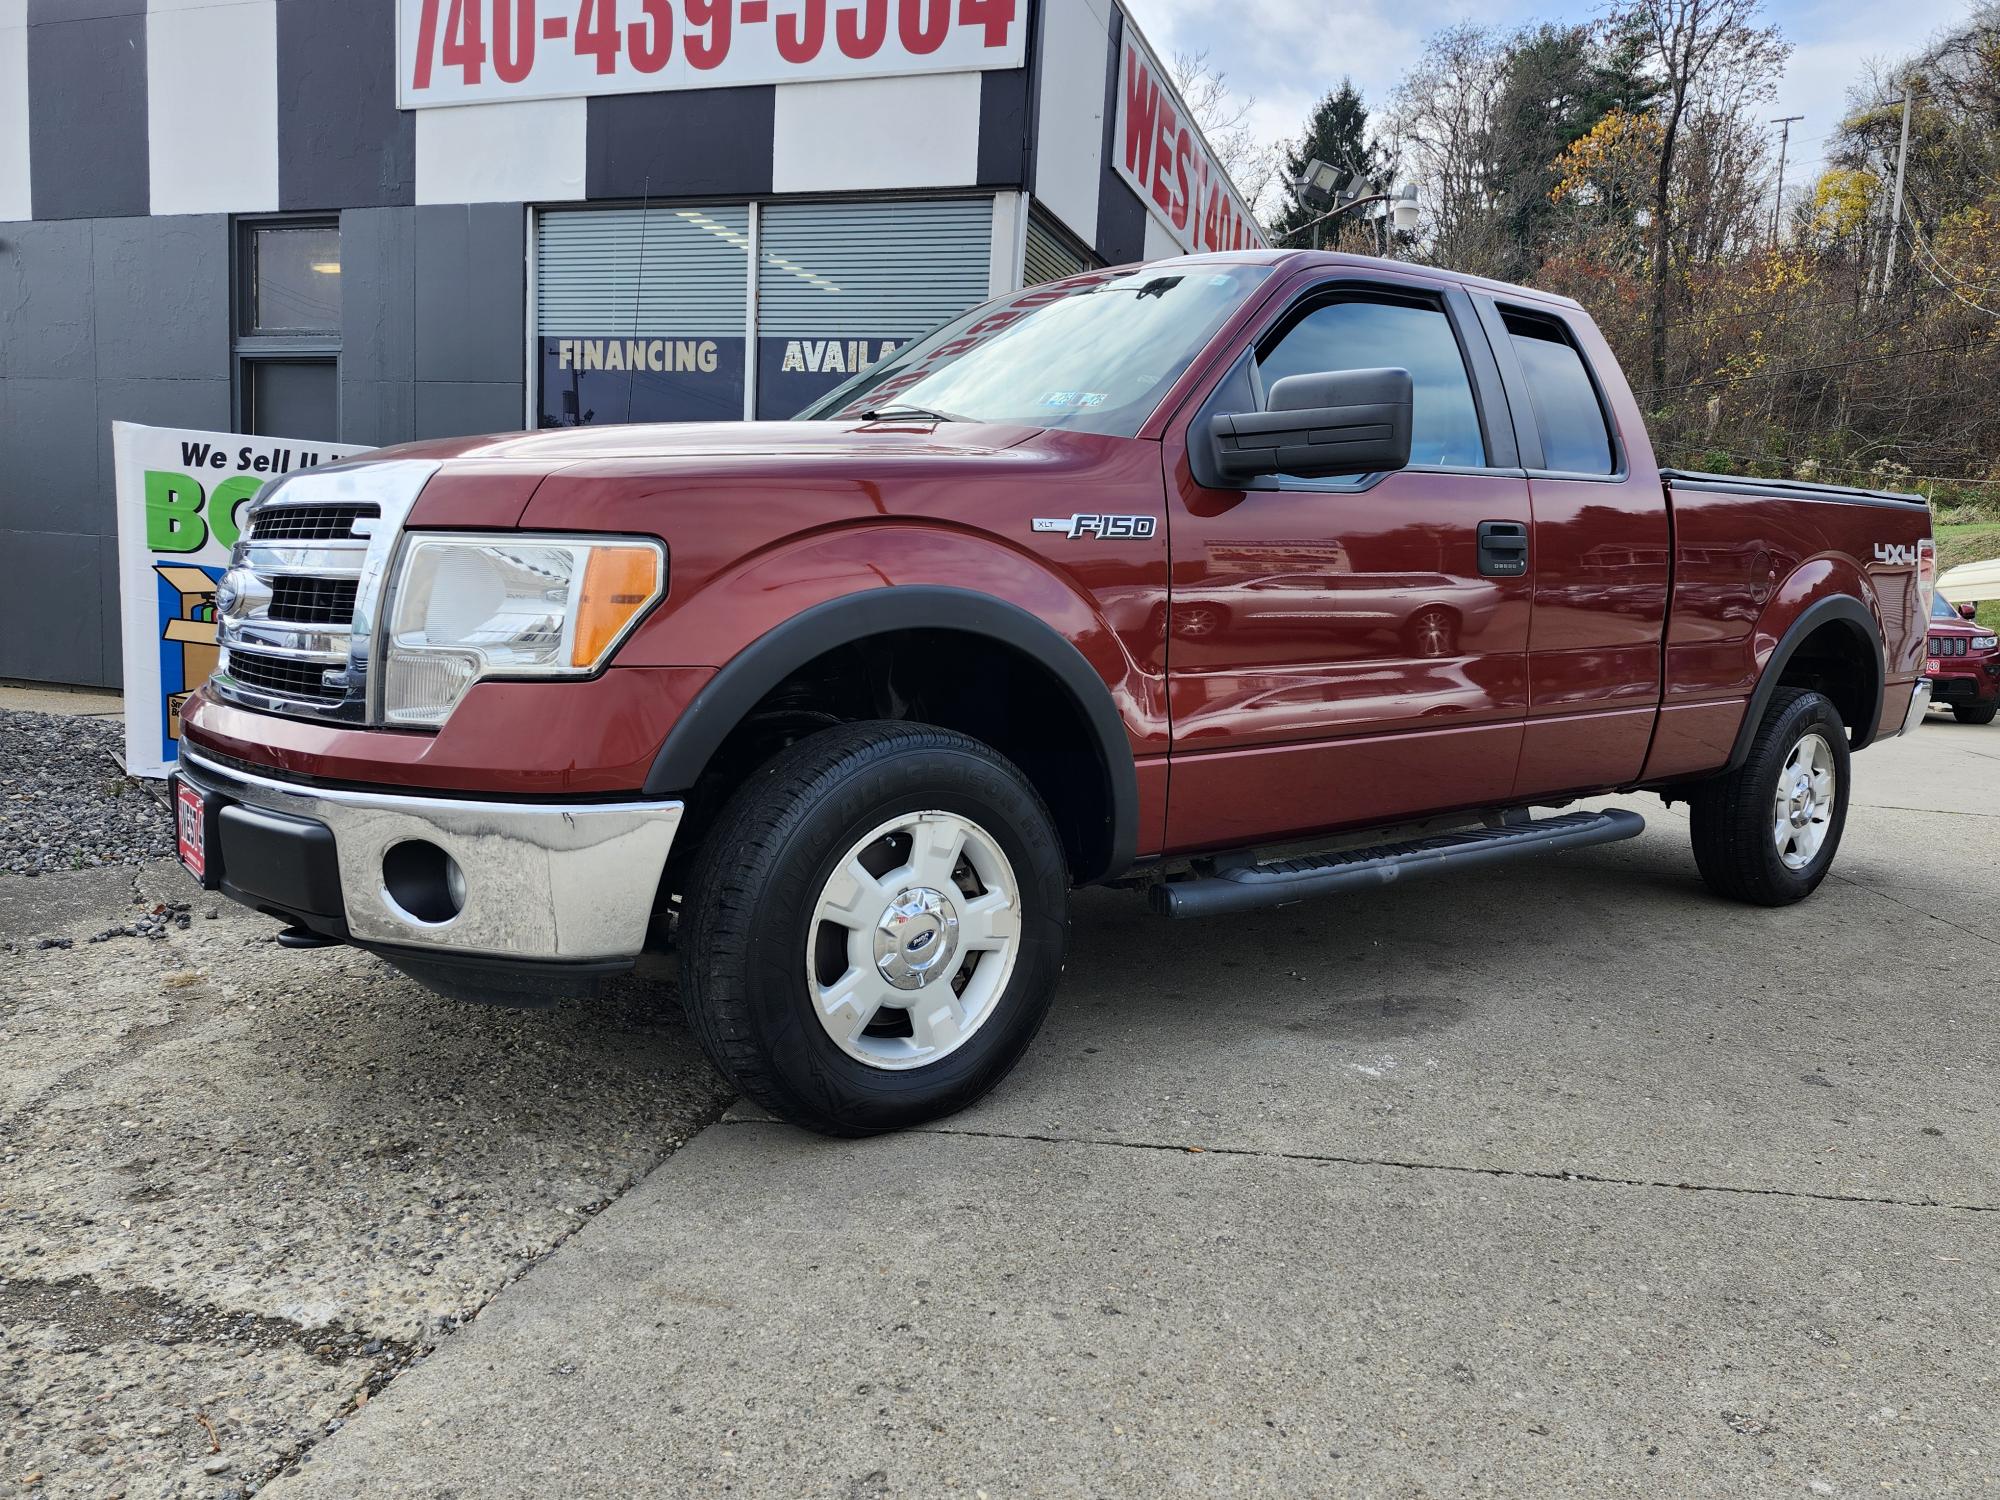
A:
x: 1317, y: 182
x: 1784, y: 141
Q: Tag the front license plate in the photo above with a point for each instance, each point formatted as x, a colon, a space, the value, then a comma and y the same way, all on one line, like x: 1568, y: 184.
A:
x: 191, y: 814
x: 1933, y: 667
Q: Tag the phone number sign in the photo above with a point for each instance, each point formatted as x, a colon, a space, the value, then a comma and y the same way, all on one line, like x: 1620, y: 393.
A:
x: 480, y: 51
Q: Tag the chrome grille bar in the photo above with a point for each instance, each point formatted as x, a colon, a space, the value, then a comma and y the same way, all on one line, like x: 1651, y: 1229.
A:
x: 305, y: 537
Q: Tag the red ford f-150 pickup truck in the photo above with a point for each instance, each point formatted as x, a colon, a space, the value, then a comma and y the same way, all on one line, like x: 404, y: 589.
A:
x: 1129, y: 579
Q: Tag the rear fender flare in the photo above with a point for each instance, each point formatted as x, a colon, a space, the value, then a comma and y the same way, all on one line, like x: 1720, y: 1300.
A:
x: 1850, y: 612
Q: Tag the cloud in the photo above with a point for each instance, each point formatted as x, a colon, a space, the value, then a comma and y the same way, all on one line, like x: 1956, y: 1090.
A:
x: 1287, y: 53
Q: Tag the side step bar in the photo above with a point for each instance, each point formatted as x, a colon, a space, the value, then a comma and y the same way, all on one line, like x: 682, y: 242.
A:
x: 1247, y: 887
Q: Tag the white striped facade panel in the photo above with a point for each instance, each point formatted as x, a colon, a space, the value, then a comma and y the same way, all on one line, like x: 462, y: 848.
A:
x: 1069, y: 139
x: 16, y: 198
x: 212, y: 105
x: 520, y: 151
x: 864, y: 134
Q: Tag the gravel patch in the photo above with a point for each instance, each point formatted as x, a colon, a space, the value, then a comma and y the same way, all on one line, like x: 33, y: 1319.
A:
x: 67, y: 805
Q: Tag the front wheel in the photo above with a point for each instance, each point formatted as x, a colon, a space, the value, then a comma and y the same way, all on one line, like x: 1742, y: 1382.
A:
x: 1969, y: 713
x: 1767, y: 832
x: 875, y: 928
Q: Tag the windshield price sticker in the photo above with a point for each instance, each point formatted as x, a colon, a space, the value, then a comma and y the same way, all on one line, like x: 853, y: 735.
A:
x: 480, y: 51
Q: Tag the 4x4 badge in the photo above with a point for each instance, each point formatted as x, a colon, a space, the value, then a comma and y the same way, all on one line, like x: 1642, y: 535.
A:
x: 1110, y: 528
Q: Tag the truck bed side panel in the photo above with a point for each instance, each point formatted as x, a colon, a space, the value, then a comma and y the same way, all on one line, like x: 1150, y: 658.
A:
x: 1746, y: 565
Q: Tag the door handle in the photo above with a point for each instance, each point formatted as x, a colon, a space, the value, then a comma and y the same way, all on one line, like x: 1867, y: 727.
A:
x: 1503, y: 549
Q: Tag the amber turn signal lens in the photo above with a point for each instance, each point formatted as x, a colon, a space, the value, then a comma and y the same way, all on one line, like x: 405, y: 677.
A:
x: 618, y: 582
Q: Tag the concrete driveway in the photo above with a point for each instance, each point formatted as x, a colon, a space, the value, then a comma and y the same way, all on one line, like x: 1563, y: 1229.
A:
x: 1564, y: 1180
x: 1561, y: 1180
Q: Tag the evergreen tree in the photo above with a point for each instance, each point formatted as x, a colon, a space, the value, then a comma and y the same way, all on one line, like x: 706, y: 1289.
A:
x: 1337, y: 132
x: 1558, y: 82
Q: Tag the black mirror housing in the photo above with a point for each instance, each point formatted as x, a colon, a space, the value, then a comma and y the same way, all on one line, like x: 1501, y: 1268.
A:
x: 1320, y: 427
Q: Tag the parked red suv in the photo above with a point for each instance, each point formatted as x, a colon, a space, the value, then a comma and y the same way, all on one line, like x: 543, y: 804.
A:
x: 1132, y: 579
x: 1963, y: 664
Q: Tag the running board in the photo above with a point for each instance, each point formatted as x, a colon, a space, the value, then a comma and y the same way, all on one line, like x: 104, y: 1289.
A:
x: 1247, y: 887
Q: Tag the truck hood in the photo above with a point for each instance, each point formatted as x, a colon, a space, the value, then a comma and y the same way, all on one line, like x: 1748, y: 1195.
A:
x: 488, y: 481
x: 558, y: 447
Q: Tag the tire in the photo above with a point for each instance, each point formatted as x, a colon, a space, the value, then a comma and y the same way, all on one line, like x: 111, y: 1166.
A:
x: 835, y: 822
x: 1970, y: 713
x: 1738, y: 844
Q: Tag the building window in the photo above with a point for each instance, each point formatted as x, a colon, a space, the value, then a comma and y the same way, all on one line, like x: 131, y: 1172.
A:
x: 288, y: 328
x: 721, y: 311
x: 842, y: 286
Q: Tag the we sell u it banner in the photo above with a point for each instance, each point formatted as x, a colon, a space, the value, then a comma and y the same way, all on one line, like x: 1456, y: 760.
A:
x: 181, y: 496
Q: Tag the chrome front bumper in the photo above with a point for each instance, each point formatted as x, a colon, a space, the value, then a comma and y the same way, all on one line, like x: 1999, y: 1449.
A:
x: 563, y: 882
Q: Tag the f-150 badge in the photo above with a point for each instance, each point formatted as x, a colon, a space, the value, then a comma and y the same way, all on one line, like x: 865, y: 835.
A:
x: 1109, y: 528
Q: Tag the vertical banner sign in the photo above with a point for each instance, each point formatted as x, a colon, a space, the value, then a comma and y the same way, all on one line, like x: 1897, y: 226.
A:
x: 180, y: 502
x: 1160, y: 152
x: 478, y: 51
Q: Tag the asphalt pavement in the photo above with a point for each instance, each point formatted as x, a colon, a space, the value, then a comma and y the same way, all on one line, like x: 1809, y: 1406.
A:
x: 1562, y: 1179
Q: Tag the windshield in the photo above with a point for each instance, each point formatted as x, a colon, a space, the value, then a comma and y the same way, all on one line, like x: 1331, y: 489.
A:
x: 1095, y: 354
x: 1943, y: 609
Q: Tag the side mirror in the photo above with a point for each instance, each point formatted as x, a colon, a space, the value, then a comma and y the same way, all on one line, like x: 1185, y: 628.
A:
x: 1320, y: 427
x: 1969, y: 611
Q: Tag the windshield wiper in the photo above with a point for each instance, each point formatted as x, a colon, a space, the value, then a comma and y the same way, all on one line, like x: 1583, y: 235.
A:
x: 894, y: 413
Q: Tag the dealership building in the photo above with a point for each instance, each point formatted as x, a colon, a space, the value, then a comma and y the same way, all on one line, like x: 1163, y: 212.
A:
x: 369, y: 221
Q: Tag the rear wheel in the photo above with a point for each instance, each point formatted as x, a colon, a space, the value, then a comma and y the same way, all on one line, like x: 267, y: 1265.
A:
x: 1767, y: 832
x: 1972, y: 713
x: 875, y: 928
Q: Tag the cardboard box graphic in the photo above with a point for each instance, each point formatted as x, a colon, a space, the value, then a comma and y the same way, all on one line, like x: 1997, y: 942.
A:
x: 193, y: 633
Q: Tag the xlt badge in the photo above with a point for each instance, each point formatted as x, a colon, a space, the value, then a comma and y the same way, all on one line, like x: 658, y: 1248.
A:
x: 1110, y: 528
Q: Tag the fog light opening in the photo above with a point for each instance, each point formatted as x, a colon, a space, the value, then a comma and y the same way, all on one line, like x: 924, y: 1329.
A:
x: 423, y: 882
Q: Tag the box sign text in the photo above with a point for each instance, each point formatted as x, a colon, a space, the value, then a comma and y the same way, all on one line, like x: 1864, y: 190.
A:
x: 480, y: 51
x: 1160, y: 152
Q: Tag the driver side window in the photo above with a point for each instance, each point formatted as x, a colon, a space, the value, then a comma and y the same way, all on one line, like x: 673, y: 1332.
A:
x: 1364, y: 334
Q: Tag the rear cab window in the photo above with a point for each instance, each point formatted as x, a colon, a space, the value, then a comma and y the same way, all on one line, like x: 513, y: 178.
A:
x: 1576, y: 437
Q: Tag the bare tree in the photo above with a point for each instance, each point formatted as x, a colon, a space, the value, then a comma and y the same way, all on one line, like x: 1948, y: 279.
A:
x: 1443, y: 120
x: 1224, y: 118
x: 1699, y: 49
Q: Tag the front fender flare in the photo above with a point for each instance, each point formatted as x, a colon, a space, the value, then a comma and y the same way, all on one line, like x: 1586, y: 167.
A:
x: 767, y: 661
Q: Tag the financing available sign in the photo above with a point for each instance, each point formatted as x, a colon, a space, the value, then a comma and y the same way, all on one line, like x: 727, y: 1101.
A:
x: 480, y: 51
x: 1159, y: 150
x: 181, y: 496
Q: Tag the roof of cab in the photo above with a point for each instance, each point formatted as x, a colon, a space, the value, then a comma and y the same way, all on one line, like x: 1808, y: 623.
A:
x: 1333, y: 260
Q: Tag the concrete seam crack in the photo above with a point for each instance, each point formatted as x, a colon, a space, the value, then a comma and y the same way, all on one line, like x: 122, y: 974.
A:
x: 1527, y: 1174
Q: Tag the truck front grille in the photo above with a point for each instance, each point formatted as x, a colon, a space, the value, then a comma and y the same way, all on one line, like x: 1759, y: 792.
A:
x: 1949, y: 645
x: 296, y: 609
x: 284, y: 677
x: 313, y: 601
x: 310, y: 523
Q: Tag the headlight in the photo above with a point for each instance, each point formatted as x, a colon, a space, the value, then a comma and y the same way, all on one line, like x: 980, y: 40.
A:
x: 1985, y: 642
x: 468, y: 607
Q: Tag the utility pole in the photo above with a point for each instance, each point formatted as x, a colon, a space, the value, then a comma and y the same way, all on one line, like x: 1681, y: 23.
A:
x: 1784, y: 141
x: 1896, y: 202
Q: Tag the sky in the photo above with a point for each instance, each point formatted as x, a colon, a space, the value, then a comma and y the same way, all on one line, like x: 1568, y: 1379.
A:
x: 1288, y: 52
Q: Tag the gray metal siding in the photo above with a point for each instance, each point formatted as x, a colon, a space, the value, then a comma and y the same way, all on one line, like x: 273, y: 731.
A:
x: 163, y: 286
x: 87, y: 152
x: 1049, y: 256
